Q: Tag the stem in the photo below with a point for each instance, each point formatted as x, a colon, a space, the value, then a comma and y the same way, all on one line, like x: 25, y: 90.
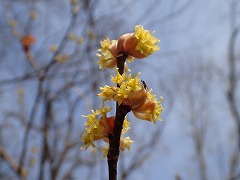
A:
x: 114, y: 138
x: 121, y: 58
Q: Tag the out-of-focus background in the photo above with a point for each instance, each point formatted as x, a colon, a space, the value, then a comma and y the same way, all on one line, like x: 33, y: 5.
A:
x: 49, y: 77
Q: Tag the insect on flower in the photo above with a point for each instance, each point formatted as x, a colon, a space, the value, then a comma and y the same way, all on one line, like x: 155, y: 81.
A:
x: 144, y: 84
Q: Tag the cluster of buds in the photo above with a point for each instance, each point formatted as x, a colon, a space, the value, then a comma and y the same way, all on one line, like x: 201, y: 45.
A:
x: 27, y: 41
x: 128, y: 90
x: 131, y: 91
x: 99, y: 126
x: 139, y: 44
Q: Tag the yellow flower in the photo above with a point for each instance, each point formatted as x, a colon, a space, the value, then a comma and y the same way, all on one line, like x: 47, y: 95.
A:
x: 94, y: 131
x: 108, y: 53
x: 134, y: 83
x: 97, y: 128
x: 118, y: 79
x: 128, y: 85
x: 104, y: 150
x: 53, y: 48
x: 61, y: 58
x: 126, y: 126
x: 106, y: 58
x: 158, y: 106
x: 107, y: 93
x: 139, y: 44
x: 132, y: 92
x: 122, y: 93
x: 150, y: 110
x: 147, y: 43
x: 72, y: 36
x: 128, y: 89
x: 103, y: 111
x: 87, y: 141
x: 79, y: 40
x: 105, y: 44
x: 125, y: 143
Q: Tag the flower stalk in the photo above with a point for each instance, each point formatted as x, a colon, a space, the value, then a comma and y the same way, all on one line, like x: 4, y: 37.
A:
x: 114, y: 138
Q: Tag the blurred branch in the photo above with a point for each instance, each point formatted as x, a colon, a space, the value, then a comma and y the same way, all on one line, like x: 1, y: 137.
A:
x: 29, y: 126
x: 199, y: 143
x: 17, y: 79
x: 144, y: 152
x: 12, y: 164
x: 45, y: 153
x: 148, y: 10
x: 167, y: 18
x: 77, y: 161
x: 232, y: 80
x: 231, y: 95
x: 62, y: 156
x: 62, y: 43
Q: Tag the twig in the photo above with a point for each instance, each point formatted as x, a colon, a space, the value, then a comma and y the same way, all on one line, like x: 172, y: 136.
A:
x: 10, y: 161
x: 114, y: 138
x: 29, y: 128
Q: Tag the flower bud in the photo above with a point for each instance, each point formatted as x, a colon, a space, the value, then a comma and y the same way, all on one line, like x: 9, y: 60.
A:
x: 27, y: 41
x: 147, y: 107
x: 136, y: 98
x: 127, y: 43
x: 113, y: 48
x: 108, y: 124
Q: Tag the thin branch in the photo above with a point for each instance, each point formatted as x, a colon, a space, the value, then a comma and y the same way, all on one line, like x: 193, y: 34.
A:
x: 171, y: 16
x: 63, y: 155
x: 232, y: 77
x: 62, y: 43
x: 9, y: 160
x: 17, y: 79
x: 231, y: 93
x: 29, y: 128
x: 114, y: 138
x: 139, y: 158
x: 45, y: 154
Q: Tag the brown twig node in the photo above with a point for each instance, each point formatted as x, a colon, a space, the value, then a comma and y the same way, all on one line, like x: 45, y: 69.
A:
x: 114, y: 138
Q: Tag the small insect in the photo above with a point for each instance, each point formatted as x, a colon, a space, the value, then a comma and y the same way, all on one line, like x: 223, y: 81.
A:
x: 144, y: 84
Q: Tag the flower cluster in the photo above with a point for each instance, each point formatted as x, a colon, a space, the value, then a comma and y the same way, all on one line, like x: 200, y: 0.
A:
x: 127, y: 90
x: 100, y: 126
x: 108, y: 54
x: 131, y: 91
x: 139, y: 44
